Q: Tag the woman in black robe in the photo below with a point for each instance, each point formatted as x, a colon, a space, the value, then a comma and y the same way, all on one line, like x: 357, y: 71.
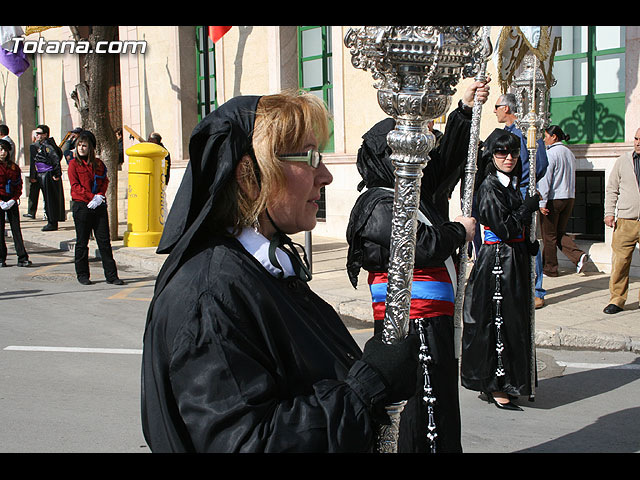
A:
x: 496, y: 340
x: 239, y: 354
x: 432, y: 425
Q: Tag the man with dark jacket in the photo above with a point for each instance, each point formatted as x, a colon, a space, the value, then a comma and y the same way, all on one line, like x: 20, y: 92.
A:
x: 45, y: 166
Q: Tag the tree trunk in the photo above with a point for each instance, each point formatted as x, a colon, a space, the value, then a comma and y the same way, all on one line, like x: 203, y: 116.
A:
x: 96, y: 116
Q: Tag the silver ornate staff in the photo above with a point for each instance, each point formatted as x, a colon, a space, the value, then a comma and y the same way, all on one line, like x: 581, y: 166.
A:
x: 415, y: 69
x: 532, y: 96
x: 471, y: 168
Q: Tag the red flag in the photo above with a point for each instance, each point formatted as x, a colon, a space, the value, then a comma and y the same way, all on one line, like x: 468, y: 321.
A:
x: 216, y: 33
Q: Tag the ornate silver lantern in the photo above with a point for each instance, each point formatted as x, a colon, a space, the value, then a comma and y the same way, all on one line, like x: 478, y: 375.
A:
x: 532, y: 96
x: 416, y: 69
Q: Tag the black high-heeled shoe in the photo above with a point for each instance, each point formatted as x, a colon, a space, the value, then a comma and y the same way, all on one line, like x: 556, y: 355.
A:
x: 504, y: 406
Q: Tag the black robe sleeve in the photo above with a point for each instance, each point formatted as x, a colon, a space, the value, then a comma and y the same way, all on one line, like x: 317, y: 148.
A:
x: 448, y: 160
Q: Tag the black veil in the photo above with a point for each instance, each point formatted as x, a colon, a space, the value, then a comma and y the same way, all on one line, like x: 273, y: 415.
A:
x: 216, y: 146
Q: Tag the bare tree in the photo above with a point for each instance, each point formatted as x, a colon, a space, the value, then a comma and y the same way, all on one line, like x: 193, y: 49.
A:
x: 91, y: 98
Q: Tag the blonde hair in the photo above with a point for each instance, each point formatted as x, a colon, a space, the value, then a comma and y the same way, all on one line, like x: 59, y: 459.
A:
x: 283, y: 123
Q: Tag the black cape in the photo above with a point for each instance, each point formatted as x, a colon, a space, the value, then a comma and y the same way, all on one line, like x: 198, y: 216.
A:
x: 500, y: 208
x: 246, y: 362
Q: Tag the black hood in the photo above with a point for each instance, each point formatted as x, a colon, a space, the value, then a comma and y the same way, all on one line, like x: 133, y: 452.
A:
x: 216, y: 146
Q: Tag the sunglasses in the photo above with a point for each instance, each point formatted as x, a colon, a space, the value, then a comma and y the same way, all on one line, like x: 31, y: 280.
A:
x: 312, y: 157
x: 503, y: 153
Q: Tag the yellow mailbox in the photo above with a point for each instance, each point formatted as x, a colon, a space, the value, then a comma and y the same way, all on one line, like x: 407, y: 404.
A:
x: 146, y: 195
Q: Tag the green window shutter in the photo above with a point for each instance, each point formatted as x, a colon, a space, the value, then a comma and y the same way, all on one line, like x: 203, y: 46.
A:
x: 315, y: 69
x: 588, y: 100
x: 206, y: 93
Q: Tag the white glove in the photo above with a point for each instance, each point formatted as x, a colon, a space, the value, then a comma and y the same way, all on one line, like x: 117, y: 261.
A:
x: 10, y: 203
x: 95, y: 202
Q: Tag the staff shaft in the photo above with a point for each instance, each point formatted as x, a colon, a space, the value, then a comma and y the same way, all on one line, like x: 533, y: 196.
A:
x: 471, y: 169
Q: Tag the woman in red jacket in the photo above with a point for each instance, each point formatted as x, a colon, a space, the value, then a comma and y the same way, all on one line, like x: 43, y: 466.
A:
x: 89, y: 182
x: 10, y: 191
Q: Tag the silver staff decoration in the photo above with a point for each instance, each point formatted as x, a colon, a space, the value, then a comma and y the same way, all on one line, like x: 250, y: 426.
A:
x: 471, y: 168
x: 530, y: 59
x: 532, y: 117
x: 415, y: 69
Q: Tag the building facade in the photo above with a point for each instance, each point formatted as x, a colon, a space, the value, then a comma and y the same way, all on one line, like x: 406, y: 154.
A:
x: 182, y: 75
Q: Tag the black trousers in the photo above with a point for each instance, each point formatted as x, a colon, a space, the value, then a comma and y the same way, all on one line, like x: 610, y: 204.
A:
x: 87, y: 220
x: 34, y: 194
x: 13, y: 214
x: 51, y: 196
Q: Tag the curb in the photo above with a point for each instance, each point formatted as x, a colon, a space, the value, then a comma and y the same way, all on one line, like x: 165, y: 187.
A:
x: 572, y: 338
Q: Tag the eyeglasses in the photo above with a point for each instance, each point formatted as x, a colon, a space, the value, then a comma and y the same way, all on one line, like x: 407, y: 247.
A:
x: 312, y: 157
x: 515, y: 153
x: 498, y: 106
x: 39, y: 133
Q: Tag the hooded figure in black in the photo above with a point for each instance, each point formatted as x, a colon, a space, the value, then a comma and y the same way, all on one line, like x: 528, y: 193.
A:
x: 434, y: 278
x: 496, y: 342
x: 236, y: 357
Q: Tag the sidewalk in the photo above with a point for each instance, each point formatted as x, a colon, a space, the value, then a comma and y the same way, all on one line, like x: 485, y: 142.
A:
x: 571, y: 318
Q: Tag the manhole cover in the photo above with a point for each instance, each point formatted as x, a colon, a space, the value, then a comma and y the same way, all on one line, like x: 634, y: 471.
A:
x: 540, y: 365
x: 54, y: 277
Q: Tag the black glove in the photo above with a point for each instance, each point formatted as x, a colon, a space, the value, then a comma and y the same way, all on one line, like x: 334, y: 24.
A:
x: 397, y: 365
x: 524, y: 211
x: 532, y: 247
x: 531, y: 203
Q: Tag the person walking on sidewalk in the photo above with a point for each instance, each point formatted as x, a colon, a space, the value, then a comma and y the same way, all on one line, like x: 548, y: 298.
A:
x: 623, y: 193
x: 557, y: 196
x: 89, y: 182
x: 10, y: 191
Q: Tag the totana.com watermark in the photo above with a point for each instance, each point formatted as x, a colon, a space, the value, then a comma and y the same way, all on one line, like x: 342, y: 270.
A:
x: 83, y: 46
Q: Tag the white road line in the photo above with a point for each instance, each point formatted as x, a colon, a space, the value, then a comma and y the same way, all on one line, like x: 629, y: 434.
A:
x: 133, y: 351
x: 592, y: 366
x: 27, y: 348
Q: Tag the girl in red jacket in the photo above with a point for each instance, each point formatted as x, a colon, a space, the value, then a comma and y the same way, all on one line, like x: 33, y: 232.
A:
x: 89, y: 182
x: 10, y: 191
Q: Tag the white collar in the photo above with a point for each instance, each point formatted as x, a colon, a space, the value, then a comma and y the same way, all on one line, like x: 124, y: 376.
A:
x: 258, y: 245
x: 505, y: 179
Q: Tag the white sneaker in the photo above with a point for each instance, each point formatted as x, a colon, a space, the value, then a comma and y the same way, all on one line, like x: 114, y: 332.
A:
x: 582, y: 263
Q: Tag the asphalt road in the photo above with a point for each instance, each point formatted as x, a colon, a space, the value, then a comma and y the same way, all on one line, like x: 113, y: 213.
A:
x: 70, y: 371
